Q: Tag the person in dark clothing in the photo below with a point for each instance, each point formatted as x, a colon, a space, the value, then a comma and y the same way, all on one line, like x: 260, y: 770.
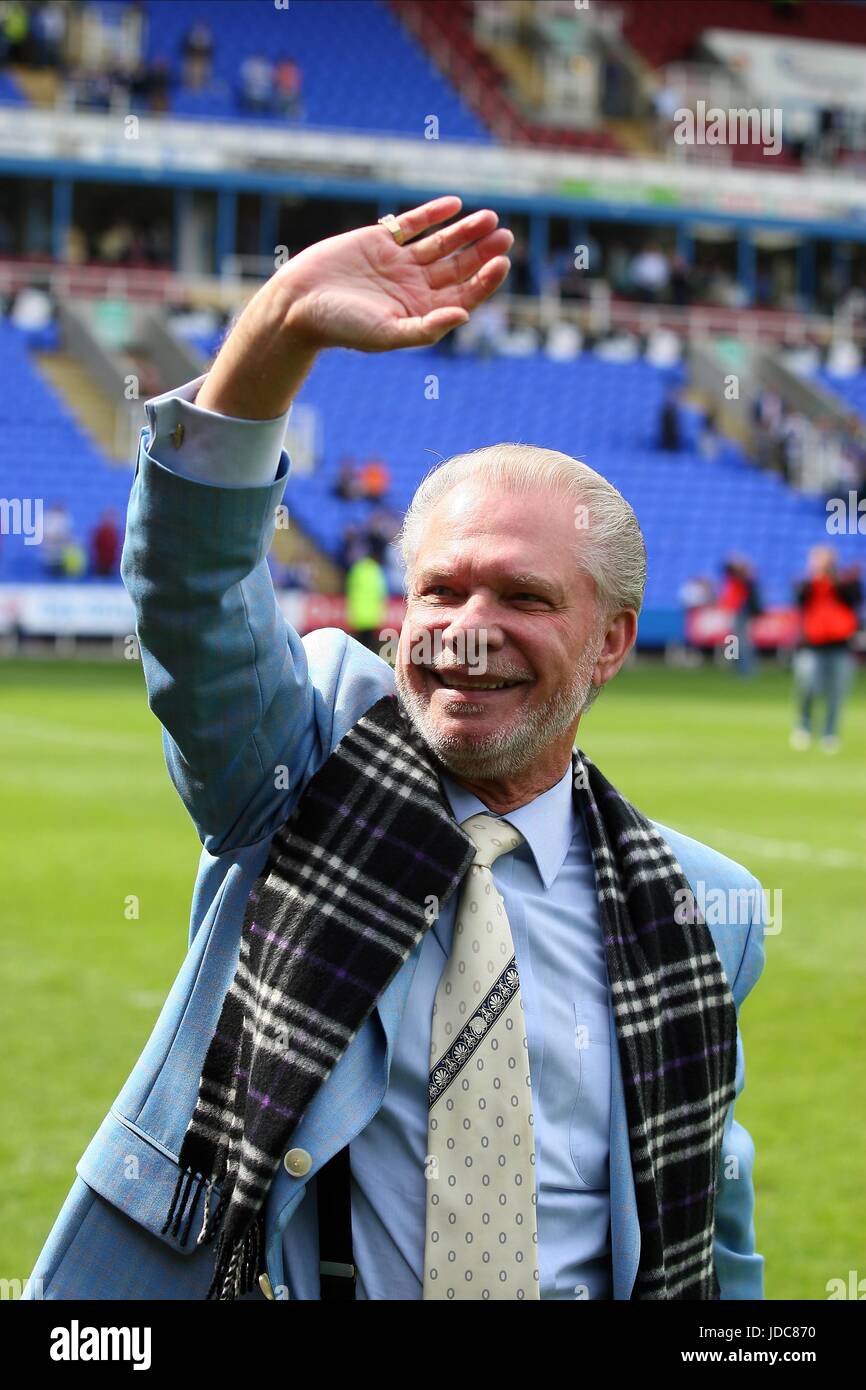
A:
x: 829, y: 601
x: 669, y: 424
x: 347, y: 485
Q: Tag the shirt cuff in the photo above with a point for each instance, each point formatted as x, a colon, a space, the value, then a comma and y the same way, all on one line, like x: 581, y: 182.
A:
x: 212, y: 448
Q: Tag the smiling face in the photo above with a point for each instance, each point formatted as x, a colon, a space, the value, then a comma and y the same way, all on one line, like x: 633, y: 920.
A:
x: 496, y: 599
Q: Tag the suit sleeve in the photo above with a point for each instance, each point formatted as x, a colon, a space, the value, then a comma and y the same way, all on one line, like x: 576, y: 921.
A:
x: 226, y: 675
x: 739, y: 1268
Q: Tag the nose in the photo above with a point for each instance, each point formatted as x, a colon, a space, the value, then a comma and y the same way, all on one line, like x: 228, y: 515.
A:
x: 474, y: 630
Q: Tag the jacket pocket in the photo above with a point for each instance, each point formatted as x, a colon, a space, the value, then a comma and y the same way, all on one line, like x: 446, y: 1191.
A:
x: 138, y: 1175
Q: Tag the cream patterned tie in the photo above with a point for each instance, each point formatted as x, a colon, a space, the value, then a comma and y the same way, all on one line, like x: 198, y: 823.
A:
x: 481, y: 1236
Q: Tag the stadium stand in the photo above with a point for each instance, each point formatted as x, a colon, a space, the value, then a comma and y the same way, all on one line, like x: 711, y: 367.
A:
x: 668, y: 32
x: 344, y: 53
x: 445, y: 29
x: 44, y: 450
x: 693, y: 512
x: 605, y: 413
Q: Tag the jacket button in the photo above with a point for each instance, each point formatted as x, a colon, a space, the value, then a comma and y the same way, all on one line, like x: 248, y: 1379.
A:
x: 297, y: 1162
x: 265, y: 1286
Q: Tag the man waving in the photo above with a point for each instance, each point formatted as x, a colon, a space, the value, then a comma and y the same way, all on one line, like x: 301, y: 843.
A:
x: 450, y: 1025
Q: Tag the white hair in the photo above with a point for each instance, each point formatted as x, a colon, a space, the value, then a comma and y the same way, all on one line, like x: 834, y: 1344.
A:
x: 609, y: 543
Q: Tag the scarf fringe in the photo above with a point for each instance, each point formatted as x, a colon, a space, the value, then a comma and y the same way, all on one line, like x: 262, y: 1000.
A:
x: 184, y: 1202
x: 236, y: 1265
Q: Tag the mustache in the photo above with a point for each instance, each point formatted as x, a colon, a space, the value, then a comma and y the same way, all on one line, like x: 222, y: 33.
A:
x: 508, y: 672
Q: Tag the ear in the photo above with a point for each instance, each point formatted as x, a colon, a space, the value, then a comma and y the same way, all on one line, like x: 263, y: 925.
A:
x: 620, y: 635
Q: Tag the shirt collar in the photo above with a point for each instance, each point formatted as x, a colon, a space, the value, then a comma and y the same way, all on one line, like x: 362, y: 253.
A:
x: 548, y: 823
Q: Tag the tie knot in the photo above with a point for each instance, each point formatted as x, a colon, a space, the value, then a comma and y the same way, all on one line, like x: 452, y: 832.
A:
x: 491, y: 836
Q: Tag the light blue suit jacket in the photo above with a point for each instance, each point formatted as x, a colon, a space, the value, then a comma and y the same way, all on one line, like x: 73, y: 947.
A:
x: 239, y: 694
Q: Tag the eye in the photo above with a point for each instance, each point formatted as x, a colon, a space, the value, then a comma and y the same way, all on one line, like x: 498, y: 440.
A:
x: 536, y: 598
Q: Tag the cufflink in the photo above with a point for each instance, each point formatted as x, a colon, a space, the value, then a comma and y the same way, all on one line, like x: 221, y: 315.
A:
x: 177, y: 435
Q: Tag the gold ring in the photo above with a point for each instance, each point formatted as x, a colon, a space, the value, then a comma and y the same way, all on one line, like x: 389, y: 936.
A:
x: 390, y: 222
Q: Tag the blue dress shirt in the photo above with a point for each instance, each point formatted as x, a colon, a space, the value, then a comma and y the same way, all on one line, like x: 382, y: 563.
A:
x: 548, y: 887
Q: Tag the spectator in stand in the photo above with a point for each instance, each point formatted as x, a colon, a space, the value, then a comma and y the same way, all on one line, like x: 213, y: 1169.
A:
x: 151, y: 84
x: 348, y: 484
x: 709, y: 439
x: 795, y: 434
x: 74, y: 560
x: 287, y: 89
x: 32, y: 309
x: 354, y: 546
x: 374, y: 479
x: 105, y: 542
x: 667, y: 101
x: 48, y: 32
x: 14, y: 32
x: 197, y: 52
x: 669, y: 423
x: 650, y: 274
x: 829, y: 603
x: 56, y: 536
x: 681, y: 280
x: 382, y: 527
x: 257, y: 84
x: 739, y: 598
x: 827, y: 462
x: 768, y: 410
x: 115, y: 243
x: 768, y: 445
x: 486, y: 333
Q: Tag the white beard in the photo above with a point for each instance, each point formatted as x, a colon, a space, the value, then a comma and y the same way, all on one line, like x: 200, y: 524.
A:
x: 507, y: 751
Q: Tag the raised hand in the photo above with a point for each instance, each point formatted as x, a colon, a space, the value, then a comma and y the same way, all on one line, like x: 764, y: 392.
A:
x: 359, y: 290
x: 362, y: 290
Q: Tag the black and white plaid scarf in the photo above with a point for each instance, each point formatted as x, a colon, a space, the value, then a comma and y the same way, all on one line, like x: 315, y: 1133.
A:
x: 343, y: 900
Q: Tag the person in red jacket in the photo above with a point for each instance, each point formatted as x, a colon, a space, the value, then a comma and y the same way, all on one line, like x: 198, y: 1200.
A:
x: 105, y: 545
x: 739, y: 597
x: 824, y: 663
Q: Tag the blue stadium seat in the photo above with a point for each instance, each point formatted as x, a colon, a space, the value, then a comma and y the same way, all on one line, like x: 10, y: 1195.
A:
x: 45, y: 454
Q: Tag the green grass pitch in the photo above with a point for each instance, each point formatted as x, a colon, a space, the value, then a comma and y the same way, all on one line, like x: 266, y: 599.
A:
x: 90, y: 819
